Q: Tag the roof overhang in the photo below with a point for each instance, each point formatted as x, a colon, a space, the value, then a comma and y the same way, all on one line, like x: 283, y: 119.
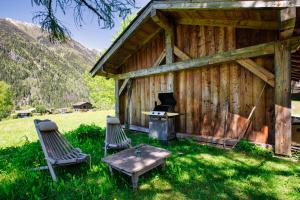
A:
x: 137, y: 33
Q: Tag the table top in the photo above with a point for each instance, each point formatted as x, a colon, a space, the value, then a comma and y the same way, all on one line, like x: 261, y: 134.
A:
x: 127, y: 160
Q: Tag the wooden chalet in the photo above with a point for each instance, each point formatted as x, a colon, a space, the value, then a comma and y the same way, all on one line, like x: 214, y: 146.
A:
x: 82, y: 106
x: 209, y: 53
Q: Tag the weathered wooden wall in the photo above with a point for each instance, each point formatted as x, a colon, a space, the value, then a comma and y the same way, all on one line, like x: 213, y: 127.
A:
x: 202, y: 93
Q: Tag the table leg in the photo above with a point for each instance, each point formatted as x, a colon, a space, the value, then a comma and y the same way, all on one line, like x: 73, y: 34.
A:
x: 163, y: 165
x: 135, y: 180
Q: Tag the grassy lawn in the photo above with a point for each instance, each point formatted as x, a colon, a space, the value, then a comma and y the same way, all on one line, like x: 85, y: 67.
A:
x: 15, y: 132
x: 193, y: 171
x: 296, y: 108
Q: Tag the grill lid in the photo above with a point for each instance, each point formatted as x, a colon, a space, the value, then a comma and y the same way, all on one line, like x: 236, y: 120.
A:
x: 167, y: 98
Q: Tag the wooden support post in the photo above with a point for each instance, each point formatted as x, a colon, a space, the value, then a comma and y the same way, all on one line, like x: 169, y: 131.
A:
x: 160, y: 19
x: 282, y: 98
x: 169, y: 37
x: 117, y: 104
x: 127, y: 113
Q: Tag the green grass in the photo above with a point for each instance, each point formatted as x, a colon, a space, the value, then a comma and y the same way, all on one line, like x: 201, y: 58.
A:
x: 15, y: 132
x: 193, y: 172
x: 296, y: 108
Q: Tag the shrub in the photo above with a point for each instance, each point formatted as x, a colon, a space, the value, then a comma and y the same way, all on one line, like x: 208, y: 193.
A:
x: 84, y: 132
x: 6, y: 101
x: 41, y: 109
x: 245, y: 146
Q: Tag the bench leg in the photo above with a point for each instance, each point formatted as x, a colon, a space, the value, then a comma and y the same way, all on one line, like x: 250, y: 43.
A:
x: 52, y: 172
x: 135, y: 180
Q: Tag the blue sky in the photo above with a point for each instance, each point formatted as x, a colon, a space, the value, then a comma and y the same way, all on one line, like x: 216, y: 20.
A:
x: 90, y: 34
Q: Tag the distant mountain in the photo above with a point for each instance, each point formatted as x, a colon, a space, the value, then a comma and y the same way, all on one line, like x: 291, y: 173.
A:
x: 39, y: 71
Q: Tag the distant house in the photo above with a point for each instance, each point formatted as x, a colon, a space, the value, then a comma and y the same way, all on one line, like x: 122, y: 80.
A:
x: 82, y: 106
x: 24, y: 113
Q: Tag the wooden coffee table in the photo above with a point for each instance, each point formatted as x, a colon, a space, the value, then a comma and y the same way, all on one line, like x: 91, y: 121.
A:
x: 134, y: 164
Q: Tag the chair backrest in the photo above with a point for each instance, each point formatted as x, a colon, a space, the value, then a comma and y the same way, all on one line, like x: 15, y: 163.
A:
x: 54, y: 145
x: 114, y: 131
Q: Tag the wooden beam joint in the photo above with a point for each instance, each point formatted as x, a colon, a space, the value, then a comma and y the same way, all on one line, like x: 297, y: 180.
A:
x: 163, y: 21
x: 287, y: 20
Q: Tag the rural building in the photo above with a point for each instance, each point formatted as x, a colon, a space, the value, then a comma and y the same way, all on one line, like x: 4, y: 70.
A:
x: 213, y: 55
x: 82, y: 106
x: 24, y: 113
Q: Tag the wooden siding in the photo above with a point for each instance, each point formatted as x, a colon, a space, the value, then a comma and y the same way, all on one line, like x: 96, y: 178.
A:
x: 202, y: 93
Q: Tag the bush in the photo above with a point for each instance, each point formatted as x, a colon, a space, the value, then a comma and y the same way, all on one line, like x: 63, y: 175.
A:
x: 84, y: 132
x: 245, y: 146
x: 6, y: 101
x: 41, y: 109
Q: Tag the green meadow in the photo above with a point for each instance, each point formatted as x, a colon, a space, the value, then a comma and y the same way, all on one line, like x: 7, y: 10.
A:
x: 193, y: 171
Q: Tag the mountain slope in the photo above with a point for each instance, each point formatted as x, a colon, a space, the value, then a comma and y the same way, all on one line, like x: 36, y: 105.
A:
x: 41, y: 72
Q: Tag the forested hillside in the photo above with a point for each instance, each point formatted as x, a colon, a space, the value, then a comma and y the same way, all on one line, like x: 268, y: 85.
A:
x: 40, y: 72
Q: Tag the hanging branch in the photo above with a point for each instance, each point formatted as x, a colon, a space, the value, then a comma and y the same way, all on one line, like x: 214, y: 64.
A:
x: 104, y: 10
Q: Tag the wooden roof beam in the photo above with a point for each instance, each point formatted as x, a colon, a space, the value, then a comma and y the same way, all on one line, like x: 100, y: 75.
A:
x: 169, y: 5
x: 287, y: 20
x: 258, y: 70
x: 142, y: 15
x: 247, y: 52
x: 250, y: 24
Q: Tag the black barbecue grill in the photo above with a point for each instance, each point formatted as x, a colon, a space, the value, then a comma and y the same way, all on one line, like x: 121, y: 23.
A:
x: 167, y: 100
x: 162, y: 118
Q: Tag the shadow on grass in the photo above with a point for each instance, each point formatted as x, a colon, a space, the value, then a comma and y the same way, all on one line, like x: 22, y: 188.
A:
x: 193, y: 172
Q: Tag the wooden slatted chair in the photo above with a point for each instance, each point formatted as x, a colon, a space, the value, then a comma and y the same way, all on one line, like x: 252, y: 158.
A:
x: 57, y: 150
x: 115, y: 137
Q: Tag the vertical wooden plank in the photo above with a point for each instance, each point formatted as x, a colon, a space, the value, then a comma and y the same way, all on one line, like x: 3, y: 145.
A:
x: 205, y: 77
x: 142, y: 87
x: 223, y: 86
x: 182, y: 84
x: 178, y: 42
x: 130, y: 103
x: 158, y: 78
x: 138, y: 91
x: 152, y: 78
x: 147, y: 83
x: 283, y: 130
x: 234, y: 75
x: 189, y: 84
x: 134, y: 94
x: 270, y: 115
x: 196, y: 81
x: 270, y: 110
x: 224, y: 71
x: 215, y: 78
x: 259, y: 114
